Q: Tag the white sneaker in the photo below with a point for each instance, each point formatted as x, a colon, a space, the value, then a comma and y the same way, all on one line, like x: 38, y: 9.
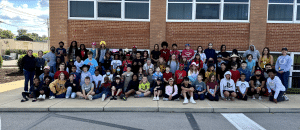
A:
x: 90, y: 97
x: 103, y: 97
x: 259, y: 98
x: 192, y: 100
x: 44, y: 97
x: 40, y: 97
x: 154, y: 98
x: 253, y: 97
x: 165, y: 99
x: 157, y: 98
x: 51, y: 97
x: 285, y: 98
x: 185, y: 101
x: 177, y: 99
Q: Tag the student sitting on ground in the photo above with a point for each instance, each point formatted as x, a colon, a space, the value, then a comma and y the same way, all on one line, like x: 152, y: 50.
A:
x: 212, y: 86
x: 76, y: 74
x: 57, y: 87
x: 72, y: 87
x: 242, y: 87
x: 227, y: 87
x: 200, y: 88
x: 45, y: 90
x: 171, y: 91
x: 105, y: 90
x: 275, y: 87
x: 157, y: 89
x: 97, y: 80
x: 127, y: 77
x: 87, y: 89
x: 116, y: 89
x: 144, y: 88
x: 34, y: 91
x: 133, y: 86
x: 257, y: 85
x: 187, y: 89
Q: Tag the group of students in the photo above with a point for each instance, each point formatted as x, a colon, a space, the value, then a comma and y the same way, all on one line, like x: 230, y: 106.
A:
x: 170, y: 74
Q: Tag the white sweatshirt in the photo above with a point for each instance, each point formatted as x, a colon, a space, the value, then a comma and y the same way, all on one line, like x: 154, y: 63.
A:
x: 275, y: 85
x: 225, y: 84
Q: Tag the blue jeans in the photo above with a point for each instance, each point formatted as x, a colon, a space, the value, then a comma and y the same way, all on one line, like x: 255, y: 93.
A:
x: 58, y: 96
x: 100, y: 94
x: 70, y: 93
x: 284, y: 77
x: 197, y: 96
x: 279, y: 98
x: 53, y: 69
x: 97, y: 91
x: 28, y: 77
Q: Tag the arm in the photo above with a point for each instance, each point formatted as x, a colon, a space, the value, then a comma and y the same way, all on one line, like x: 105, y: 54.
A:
x: 288, y: 65
x: 272, y: 60
x: 277, y: 65
x: 175, y: 90
x: 268, y: 86
x: 208, y: 89
x: 259, y: 60
x: 263, y: 84
x: 221, y: 89
x: 215, y: 89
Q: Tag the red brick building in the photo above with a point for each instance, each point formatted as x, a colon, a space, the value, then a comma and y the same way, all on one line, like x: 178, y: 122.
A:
x: 124, y: 23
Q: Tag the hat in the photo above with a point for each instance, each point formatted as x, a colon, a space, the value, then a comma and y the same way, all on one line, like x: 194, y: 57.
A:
x: 94, y: 43
x: 158, y: 79
x: 88, y: 67
x: 134, y: 46
x: 128, y: 54
x: 181, y: 64
x: 187, y: 45
x: 129, y: 65
x: 284, y: 48
x: 193, y: 63
x: 47, y: 67
x: 219, y: 56
x: 234, y: 55
x: 257, y: 70
x: 103, y: 42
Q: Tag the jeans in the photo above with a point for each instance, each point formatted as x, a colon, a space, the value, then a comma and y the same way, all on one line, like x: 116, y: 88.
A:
x: 63, y: 95
x: 70, y: 93
x: 284, y: 77
x: 97, y: 91
x: 199, y: 96
x: 240, y: 96
x: 28, y: 77
x: 107, y: 94
x: 279, y: 98
x: 53, y: 69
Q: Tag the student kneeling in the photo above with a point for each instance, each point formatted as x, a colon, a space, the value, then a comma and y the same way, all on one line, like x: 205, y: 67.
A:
x: 227, y: 87
x: 275, y: 87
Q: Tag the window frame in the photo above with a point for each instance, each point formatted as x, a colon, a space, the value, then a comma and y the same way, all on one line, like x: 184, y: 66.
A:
x: 294, y: 18
x: 108, y: 18
x: 221, y: 12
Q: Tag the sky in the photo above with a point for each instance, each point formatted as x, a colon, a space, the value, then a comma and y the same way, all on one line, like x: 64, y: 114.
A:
x: 25, y: 14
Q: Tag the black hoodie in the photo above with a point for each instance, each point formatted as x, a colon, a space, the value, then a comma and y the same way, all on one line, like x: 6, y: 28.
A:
x: 28, y: 63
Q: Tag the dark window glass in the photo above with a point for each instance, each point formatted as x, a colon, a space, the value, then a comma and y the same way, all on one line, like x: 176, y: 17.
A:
x: 109, y: 10
x: 82, y: 9
x: 280, y: 12
x: 179, y: 11
x: 207, y: 11
x: 137, y: 10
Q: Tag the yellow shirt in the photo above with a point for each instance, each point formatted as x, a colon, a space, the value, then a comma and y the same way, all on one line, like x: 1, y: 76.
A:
x: 144, y: 86
x: 264, y: 61
x: 58, y: 86
x: 208, y: 73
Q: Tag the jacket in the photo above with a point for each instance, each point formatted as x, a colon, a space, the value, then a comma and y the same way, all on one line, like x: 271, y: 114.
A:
x: 225, y: 84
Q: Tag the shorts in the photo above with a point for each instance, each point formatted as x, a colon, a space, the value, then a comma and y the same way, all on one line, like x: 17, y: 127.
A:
x: 228, y: 91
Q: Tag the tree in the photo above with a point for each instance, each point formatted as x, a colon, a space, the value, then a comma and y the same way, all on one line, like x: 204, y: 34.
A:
x: 22, y: 32
x: 6, y: 34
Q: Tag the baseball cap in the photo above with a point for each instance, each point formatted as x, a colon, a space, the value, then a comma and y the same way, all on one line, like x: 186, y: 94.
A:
x: 159, y: 79
x: 187, y: 45
x: 284, y: 48
x: 134, y: 46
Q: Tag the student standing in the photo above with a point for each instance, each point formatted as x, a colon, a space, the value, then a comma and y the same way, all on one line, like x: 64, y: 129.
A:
x: 94, y: 50
x: 61, y: 52
x: 126, y: 62
x: 102, y: 51
x: 173, y: 63
x: 28, y: 62
x: 175, y: 51
x: 265, y: 58
x: 225, y: 55
x: 51, y: 59
x: 40, y: 62
x: 242, y: 87
x: 73, y: 51
x: 282, y: 66
x: 106, y: 63
x: 210, y: 53
x: 188, y: 53
x: 275, y: 88
x: 115, y: 63
x: 155, y: 54
x: 253, y: 52
x: 165, y: 52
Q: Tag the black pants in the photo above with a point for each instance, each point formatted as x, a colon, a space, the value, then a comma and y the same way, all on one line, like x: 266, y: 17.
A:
x: 173, y: 98
x: 33, y: 94
x: 38, y: 71
x: 279, y: 98
x: 46, y: 91
x: 211, y: 98
x: 240, y: 96
x: 261, y: 93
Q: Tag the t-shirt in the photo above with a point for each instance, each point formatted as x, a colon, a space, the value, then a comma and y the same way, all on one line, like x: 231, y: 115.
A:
x: 93, y: 64
x: 243, y: 86
x: 221, y: 73
x: 224, y: 54
x: 133, y: 85
x: 118, y: 86
x: 155, y: 54
x: 96, y: 79
x: 139, y: 61
x: 144, y: 86
x: 78, y: 65
x: 211, y: 86
x: 116, y: 63
x: 125, y: 63
x: 159, y: 86
x: 88, y: 87
x: 189, y: 86
x: 257, y: 82
x: 167, y: 76
x: 235, y: 75
x: 61, y: 51
x: 179, y: 75
x: 199, y: 86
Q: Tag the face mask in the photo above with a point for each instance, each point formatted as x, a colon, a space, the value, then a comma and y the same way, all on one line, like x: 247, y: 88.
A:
x: 52, y: 49
x: 257, y: 75
x: 118, y: 69
x: 108, y: 73
x: 60, y: 46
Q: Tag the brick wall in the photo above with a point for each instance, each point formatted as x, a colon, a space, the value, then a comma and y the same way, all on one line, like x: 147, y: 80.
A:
x: 116, y: 34
x: 58, y: 22
x: 233, y: 35
x: 283, y: 35
x: 157, y: 22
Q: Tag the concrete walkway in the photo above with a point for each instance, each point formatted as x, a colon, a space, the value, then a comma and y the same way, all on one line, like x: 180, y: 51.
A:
x: 10, y: 101
x: 10, y: 63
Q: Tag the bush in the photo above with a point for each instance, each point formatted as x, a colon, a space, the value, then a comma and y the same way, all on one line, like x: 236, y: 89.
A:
x: 45, y: 52
x: 7, y: 52
x: 1, y: 61
x: 20, y: 59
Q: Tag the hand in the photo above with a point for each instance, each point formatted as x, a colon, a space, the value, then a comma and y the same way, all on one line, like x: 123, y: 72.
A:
x: 170, y: 97
x: 199, y: 92
x: 213, y: 95
x: 85, y: 97
x: 74, y: 84
x: 244, y: 95
x: 275, y: 100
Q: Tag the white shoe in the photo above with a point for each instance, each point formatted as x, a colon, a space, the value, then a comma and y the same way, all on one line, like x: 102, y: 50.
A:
x: 177, y: 99
x: 192, y: 100
x: 67, y: 97
x: 259, y: 98
x: 165, y: 99
x: 285, y: 98
x: 40, y: 97
x: 90, y: 97
x: 51, y: 97
x: 44, y: 97
x: 157, y: 98
x: 253, y: 97
x: 154, y: 98
x: 185, y: 101
x: 103, y: 97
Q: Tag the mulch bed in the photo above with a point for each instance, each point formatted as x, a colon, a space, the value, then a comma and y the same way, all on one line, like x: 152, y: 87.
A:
x: 9, y: 75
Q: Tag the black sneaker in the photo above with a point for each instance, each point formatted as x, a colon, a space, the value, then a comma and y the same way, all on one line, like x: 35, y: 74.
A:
x: 115, y: 98
x: 112, y: 98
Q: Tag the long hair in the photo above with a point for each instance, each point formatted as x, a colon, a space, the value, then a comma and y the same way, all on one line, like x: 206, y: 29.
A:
x: 211, y: 75
x: 60, y: 75
x: 157, y: 47
x: 268, y: 54
x: 71, y: 47
x: 84, y: 48
x: 201, y: 51
x: 170, y: 60
x: 222, y: 47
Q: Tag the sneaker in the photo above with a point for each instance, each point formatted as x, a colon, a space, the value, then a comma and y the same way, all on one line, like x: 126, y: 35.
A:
x: 115, y: 98
x: 177, y: 99
x: 112, y: 98
x: 165, y: 99
x: 40, y: 97
x: 259, y: 98
x: 285, y: 98
x: 154, y: 98
x: 33, y: 100
x: 103, y: 97
x: 192, y: 100
x: 44, y: 97
x: 123, y: 97
x: 227, y: 98
x: 51, y: 97
x: 90, y: 97
x: 136, y: 96
x: 157, y: 98
x: 185, y: 101
x: 253, y: 97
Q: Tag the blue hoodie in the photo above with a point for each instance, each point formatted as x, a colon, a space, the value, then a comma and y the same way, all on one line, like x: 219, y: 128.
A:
x: 246, y: 71
x: 210, y: 53
x: 284, y: 63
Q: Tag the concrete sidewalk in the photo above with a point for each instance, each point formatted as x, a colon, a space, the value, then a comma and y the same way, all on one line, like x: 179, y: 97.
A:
x: 10, y: 101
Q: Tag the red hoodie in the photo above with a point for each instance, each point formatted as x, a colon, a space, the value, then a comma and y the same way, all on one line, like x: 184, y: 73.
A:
x: 165, y: 53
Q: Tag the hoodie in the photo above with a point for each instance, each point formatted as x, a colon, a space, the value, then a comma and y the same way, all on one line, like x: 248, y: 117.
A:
x: 275, y: 85
x: 227, y: 84
x: 283, y: 63
x: 255, y: 53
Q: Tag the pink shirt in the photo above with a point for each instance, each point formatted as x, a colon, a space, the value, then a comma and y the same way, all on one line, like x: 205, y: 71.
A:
x: 169, y: 90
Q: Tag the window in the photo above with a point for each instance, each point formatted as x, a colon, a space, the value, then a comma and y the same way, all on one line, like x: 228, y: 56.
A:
x: 208, y: 10
x: 122, y: 10
x: 284, y: 11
